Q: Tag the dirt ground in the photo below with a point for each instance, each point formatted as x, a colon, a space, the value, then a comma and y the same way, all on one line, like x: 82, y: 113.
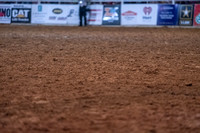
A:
x: 99, y: 79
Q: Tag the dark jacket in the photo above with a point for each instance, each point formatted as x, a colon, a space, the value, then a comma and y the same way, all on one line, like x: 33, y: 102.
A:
x: 83, y: 10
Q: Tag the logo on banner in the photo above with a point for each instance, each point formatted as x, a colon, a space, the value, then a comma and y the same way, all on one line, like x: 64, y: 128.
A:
x: 147, y: 11
x: 198, y: 19
x: 111, y: 13
x: 62, y: 18
x: 186, y: 12
x: 39, y: 8
x: 21, y: 15
x: 129, y: 15
x: 57, y: 11
x: 71, y: 12
x: 5, y: 12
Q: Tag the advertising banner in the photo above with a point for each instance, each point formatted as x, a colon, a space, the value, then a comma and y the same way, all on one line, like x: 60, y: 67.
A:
x: 129, y: 14
x: 111, y: 15
x: 139, y: 14
x: 21, y: 14
x: 95, y: 15
x: 167, y: 14
x: 39, y: 14
x: 148, y: 15
x: 196, y: 20
x: 185, y: 15
x: 5, y: 14
x: 55, y: 14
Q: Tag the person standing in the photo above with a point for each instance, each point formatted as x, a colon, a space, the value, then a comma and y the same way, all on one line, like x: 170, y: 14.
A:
x: 82, y: 13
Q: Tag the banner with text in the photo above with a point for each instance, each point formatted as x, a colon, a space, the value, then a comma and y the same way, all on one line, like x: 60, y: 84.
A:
x: 21, y: 13
x: 196, y: 20
x: 5, y: 14
x: 139, y: 14
x: 167, y: 14
x: 185, y: 15
x: 111, y: 15
x: 95, y: 15
x: 39, y: 14
x: 55, y: 14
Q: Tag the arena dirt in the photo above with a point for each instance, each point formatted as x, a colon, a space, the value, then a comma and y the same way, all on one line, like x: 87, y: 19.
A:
x: 99, y: 79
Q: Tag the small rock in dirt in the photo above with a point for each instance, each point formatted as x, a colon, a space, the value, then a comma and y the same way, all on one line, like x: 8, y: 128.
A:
x: 172, y: 93
x: 189, y: 84
x: 152, y: 131
x: 54, y: 59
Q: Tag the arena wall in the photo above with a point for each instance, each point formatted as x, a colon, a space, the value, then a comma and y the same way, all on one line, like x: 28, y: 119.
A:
x: 102, y: 14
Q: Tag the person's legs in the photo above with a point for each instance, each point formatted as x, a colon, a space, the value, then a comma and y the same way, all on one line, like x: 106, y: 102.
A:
x: 80, y: 17
x: 85, y: 20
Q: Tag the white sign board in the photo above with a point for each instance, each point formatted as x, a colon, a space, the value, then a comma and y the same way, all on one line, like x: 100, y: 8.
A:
x: 139, y: 14
x: 95, y: 15
x: 55, y: 14
x: 39, y: 14
x: 5, y: 14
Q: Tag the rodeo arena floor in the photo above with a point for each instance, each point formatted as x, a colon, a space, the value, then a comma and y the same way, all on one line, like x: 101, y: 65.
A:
x: 61, y: 79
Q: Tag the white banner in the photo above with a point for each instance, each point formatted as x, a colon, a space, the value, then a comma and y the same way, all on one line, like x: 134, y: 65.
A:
x: 5, y: 14
x: 39, y: 14
x: 55, y: 14
x: 95, y: 15
x: 139, y: 14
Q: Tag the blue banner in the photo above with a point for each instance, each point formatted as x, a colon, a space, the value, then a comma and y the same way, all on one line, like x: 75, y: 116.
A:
x: 167, y: 15
x: 111, y: 15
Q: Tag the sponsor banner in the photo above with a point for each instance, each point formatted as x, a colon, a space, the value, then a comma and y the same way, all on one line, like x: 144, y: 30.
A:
x: 21, y: 14
x: 196, y: 20
x: 149, y: 14
x: 55, y: 14
x: 129, y: 14
x: 5, y: 14
x: 167, y: 14
x: 39, y: 14
x: 95, y: 15
x: 111, y: 15
x: 185, y: 15
x: 139, y: 14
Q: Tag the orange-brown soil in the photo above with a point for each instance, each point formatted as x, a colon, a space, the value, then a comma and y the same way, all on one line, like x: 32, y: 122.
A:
x: 99, y: 79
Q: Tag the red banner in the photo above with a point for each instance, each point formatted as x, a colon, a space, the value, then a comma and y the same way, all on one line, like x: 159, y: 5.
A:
x: 196, y: 21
